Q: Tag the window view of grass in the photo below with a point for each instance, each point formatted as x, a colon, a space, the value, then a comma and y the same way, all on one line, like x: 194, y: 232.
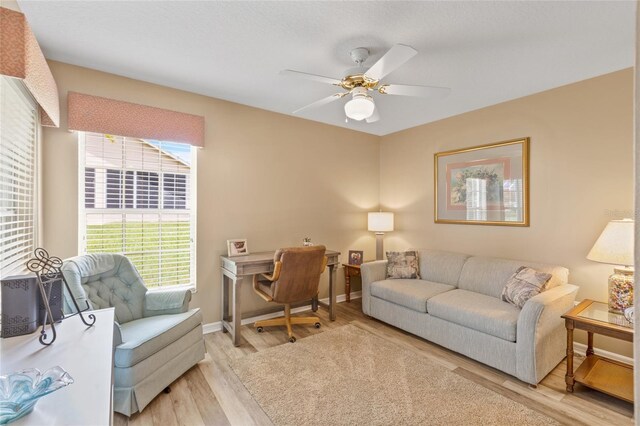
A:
x: 160, y: 251
x: 137, y: 202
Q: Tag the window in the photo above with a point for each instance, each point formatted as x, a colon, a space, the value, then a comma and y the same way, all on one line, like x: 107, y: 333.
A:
x: 18, y: 146
x: 147, y: 188
x: 139, y: 201
x: 114, y: 189
x: 141, y: 189
x: 174, y: 190
x: 89, y: 188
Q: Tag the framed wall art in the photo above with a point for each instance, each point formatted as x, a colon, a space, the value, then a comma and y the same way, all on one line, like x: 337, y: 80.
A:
x: 483, y: 185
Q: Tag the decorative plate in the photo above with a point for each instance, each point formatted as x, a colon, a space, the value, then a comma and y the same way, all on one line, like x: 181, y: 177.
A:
x: 19, y: 391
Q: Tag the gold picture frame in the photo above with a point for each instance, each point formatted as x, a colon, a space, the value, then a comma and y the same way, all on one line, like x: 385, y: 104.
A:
x: 483, y: 185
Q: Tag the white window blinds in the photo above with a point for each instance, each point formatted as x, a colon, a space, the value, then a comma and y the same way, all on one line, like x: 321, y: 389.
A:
x: 137, y: 198
x: 18, y: 141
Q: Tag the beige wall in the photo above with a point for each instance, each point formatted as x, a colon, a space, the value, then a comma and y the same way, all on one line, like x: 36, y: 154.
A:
x: 267, y: 177
x: 581, y: 177
x: 249, y: 184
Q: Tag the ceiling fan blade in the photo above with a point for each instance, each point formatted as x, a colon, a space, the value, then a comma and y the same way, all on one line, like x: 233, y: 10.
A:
x: 393, y: 59
x: 375, y: 116
x: 322, y: 101
x: 313, y: 77
x: 417, y: 91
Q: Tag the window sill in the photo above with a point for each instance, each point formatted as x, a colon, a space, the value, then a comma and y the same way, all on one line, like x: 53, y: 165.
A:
x: 192, y: 288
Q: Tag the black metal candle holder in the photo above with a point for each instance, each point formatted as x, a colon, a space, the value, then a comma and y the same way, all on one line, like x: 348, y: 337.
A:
x: 48, y: 270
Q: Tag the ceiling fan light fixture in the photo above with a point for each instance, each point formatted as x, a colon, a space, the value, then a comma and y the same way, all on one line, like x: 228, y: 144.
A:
x: 360, y: 107
x: 359, y: 81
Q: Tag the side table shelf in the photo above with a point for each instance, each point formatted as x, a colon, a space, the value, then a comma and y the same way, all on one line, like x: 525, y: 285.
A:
x: 611, y: 377
x: 605, y: 375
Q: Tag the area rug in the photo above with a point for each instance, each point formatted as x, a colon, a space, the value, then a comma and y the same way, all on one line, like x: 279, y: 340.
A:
x: 349, y: 376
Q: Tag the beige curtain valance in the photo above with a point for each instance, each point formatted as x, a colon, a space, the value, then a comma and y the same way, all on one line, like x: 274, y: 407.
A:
x: 103, y: 115
x: 21, y: 57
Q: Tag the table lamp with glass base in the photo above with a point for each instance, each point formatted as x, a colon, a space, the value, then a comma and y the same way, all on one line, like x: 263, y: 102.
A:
x: 620, y: 290
x: 615, y: 247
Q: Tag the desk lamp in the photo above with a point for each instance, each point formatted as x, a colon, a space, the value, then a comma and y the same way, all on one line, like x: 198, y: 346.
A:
x: 380, y: 222
x: 615, y: 247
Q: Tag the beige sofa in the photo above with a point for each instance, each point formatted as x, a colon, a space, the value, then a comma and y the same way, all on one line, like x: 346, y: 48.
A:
x: 457, y: 304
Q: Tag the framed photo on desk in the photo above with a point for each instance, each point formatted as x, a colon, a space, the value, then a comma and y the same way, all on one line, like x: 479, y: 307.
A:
x: 237, y: 247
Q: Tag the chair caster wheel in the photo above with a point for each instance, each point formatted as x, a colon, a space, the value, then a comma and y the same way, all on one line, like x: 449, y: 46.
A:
x: 292, y: 339
x: 260, y: 329
x: 317, y: 325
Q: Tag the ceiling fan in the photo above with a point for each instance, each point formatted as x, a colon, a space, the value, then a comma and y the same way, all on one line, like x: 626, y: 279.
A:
x: 358, y: 82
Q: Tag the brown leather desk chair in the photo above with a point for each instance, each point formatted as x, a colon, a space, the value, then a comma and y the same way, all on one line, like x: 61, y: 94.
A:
x: 295, y: 278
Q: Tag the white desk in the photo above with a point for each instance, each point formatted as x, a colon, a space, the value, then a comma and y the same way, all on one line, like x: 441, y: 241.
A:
x: 86, y: 354
x: 235, y: 269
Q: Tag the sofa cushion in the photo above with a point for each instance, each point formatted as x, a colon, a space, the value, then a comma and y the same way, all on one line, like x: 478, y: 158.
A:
x: 441, y: 266
x: 523, y: 285
x: 488, y: 276
x: 410, y: 293
x: 476, y: 311
x: 401, y: 265
x: 130, y: 376
x: 146, y: 336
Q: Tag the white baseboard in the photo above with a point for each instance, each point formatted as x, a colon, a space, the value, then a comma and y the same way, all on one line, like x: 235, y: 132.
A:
x: 581, y: 349
x: 212, y: 327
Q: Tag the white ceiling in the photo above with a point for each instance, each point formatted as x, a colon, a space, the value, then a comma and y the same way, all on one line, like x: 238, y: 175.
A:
x: 486, y: 52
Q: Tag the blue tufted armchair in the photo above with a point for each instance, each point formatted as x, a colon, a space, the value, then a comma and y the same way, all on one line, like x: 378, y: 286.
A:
x: 157, y: 338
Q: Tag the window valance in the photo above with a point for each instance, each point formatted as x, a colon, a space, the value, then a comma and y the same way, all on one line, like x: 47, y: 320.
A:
x: 21, y: 57
x: 103, y: 115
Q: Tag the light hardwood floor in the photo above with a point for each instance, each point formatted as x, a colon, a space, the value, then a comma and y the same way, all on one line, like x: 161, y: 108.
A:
x: 211, y: 394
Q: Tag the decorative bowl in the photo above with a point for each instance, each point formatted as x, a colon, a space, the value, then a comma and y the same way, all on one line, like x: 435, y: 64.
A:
x: 19, y: 391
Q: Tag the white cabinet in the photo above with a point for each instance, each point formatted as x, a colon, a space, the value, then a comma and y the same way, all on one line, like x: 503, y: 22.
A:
x: 86, y: 353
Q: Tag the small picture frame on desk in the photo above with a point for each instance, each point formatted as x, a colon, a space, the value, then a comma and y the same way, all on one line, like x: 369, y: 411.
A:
x: 237, y: 247
x: 355, y: 257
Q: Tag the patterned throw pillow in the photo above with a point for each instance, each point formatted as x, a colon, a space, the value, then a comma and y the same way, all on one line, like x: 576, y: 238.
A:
x: 403, y: 264
x: 523, y: 285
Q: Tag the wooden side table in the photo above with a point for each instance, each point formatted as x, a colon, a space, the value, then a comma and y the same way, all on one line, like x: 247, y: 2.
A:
x: 611, y: 377
x: 350, y: 271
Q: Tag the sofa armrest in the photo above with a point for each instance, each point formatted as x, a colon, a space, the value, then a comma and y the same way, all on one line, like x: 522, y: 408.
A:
x: 541, y: 335
x: 164, y: 302
x: 370, y: 273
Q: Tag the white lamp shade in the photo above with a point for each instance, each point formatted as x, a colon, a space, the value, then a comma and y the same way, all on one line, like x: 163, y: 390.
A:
x: 615, y: 244
x: 359, y: 108
x: 380, y: 221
